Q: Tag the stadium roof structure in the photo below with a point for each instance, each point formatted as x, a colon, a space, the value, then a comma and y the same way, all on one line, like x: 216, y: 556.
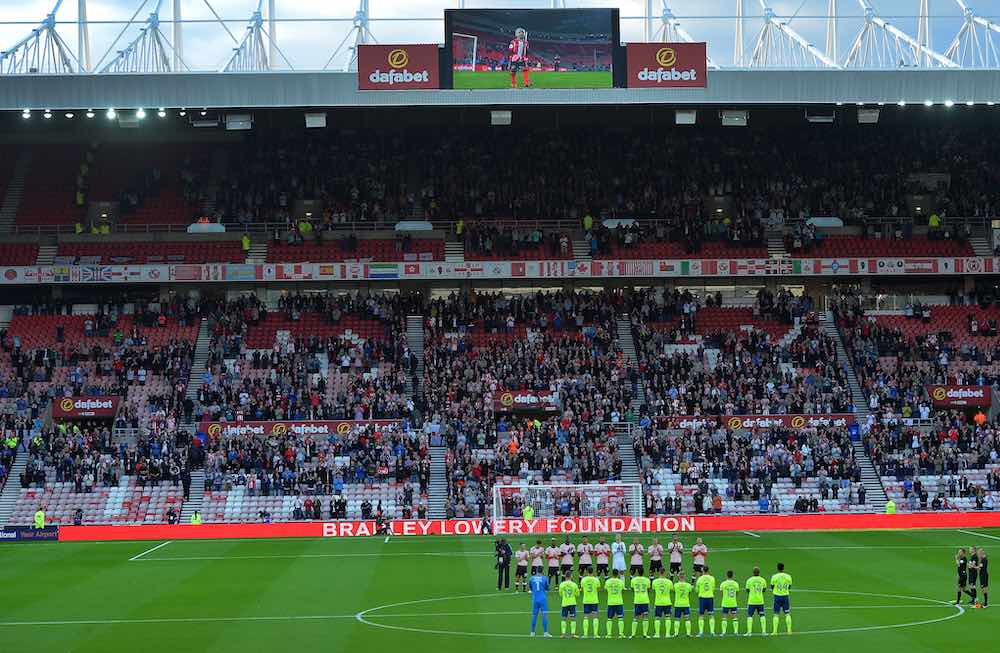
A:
x: 773, y: 59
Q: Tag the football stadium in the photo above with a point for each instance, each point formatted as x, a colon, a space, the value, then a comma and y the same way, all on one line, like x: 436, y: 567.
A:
x: 416, y: 326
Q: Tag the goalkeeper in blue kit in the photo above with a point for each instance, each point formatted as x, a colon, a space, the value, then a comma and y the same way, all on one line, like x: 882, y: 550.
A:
x: 539, y: 603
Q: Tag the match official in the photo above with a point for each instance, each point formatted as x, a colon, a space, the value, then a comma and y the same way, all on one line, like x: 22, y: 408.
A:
x: 504, y: 555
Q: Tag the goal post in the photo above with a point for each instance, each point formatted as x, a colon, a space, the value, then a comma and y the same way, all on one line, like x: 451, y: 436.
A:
x: 463, y: 51
x: 568, y: 500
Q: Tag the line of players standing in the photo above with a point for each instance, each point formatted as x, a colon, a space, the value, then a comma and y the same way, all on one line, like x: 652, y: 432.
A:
x: 973, y: 568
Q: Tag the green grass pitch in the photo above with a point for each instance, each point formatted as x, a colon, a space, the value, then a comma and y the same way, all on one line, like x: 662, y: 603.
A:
x: 501, y: 79
x: 864, y: 592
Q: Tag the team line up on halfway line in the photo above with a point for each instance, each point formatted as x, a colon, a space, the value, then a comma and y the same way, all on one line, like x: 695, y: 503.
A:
x: 672, y: 594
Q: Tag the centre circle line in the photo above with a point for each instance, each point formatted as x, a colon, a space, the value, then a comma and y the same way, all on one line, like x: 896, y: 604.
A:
x: 365, y: 616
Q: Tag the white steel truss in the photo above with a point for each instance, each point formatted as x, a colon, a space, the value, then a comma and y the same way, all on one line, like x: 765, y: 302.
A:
x: 43, y: 51
x: 361, y: 33
x: 977, y: 44
x: 669, y: 29
x: 149, y: 52
x: 780, y: 46
x: 253, y: 54
x: 880, y: 44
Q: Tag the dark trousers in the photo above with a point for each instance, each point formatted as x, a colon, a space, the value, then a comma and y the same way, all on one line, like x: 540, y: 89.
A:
x: 503, y: 577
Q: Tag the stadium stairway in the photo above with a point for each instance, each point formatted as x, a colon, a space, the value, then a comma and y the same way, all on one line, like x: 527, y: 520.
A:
x: 12, y: 488
x: 624, y: 325
x: 46, y: 254
x: 581, y: 250
x: 258, y: 252
x: 437, y: 489
x: 415, y: 340
x: 201, y: 350
x: 980, y: 244
x: 826, y: 320
x: 875, y: 492
x: 197, y: 496
x: 454, y: 251
x: 776, y: 245
x: 626, y: 449
x: 15, y: 191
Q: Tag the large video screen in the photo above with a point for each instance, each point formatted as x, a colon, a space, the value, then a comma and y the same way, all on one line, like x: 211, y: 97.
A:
x: 542, y: 48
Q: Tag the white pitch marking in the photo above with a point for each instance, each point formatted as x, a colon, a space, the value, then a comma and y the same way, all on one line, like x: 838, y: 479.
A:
x: 180, y: 620
x: 361, y: 616
x: 158, y: 546
x: 750, y: 534
x: 992, y: 537
x: 315, y: 555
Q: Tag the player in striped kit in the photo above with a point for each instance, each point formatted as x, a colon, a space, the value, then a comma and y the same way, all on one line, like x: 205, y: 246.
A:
x: 518, y: 55
x: 655, y: 552
x: 635, y: 566
x: 566, y: 551
x: 521, y: 573
x: 585, y: 550
x: 537, y: 558
x: 602, y: 552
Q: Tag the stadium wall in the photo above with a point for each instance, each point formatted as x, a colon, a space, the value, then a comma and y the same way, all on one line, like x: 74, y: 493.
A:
x: 453, y: 527
x: 335, y: 89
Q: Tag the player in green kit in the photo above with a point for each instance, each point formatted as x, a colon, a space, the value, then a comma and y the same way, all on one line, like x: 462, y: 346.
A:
x: 568, y: 591
x: 755, y: 586
x: 590, y: 584
x: 730, y: 589
x: 682, y: 604
x: 640, y: 604
x: 705, y: 586
x: 662, y: 587
x: 615, y: 587
x: 781, y: 587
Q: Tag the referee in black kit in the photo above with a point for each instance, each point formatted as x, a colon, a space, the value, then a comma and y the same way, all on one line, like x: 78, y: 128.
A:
x: 504, y: 555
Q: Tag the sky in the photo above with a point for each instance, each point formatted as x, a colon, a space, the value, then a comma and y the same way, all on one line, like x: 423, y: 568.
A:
x: 310, y: 38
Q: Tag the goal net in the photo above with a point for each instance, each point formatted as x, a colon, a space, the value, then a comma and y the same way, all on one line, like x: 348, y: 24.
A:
x: 463, y: 51
x: 584, y: 500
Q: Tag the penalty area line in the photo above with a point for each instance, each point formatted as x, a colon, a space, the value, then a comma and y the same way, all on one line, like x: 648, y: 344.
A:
x: 147, y: 551
x: 992, y: 537
x: 751, y: 534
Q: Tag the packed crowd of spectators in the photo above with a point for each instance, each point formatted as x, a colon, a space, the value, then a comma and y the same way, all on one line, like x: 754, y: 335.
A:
x: 308, y: 376
x: 561, y: 345
x: 365, y: 175
x: 310, y: 466
x: 747, y: 464
x: 534, y: 451
x: 692, y: 231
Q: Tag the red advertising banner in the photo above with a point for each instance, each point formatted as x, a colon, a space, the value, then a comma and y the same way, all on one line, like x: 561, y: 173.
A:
x: 263, y: 429
x: 398, y: 67
x: 525, y: 400
x: 556, y: 526
x: 737, y: 422
x: 667, y: 65
x: 81, y: 407
x: 946, y: 396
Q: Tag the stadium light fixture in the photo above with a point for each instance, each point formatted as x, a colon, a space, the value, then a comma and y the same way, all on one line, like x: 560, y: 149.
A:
x: 902, y: 103
x: 47, y: 115
x: 949, y: 103
x: 990, y: 104
x: 26, y: 114
x: 840, y: 104
x: 69, y: 114
x: 182, y: 113
x: 204, y: 112
x: 111, y: 114
x: 162, y: 112
x: 90, y: 113
x: 140, y: 113
x: 969, y: 103
x: 928, y: 103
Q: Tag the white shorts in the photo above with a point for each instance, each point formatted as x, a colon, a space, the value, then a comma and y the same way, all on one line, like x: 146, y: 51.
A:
x: 618, y: 563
